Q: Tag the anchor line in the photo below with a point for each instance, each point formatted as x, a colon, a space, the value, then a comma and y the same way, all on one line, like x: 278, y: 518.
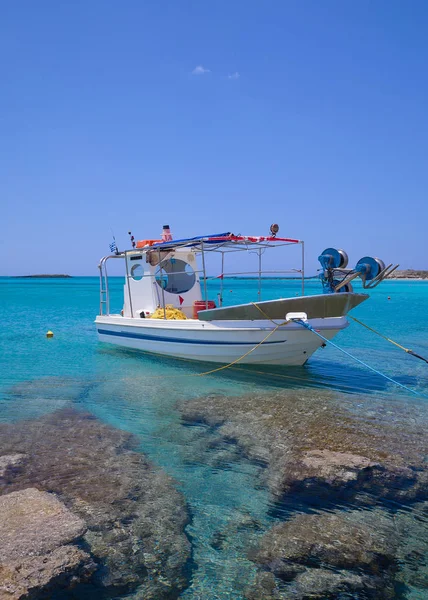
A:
x: 407, y: 350
x: 310, y: 328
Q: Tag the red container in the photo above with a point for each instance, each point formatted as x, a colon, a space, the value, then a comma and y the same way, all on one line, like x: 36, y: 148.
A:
x: 202, y: 305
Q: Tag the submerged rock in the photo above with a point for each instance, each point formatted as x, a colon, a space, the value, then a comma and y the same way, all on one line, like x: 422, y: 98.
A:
x: 328, y: 555
x: 11, y: 462
x: 345, y: 540
x: 134, y: 515
x: 413, y: 549
x: 33, y: 522
x: 326, y: 584
x: 314, y: 447
x: 319, y: 451
x: 38, y: 397
x: 36, y: 551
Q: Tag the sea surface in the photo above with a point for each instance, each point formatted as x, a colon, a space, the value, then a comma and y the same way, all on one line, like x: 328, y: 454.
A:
x: 140, y: 393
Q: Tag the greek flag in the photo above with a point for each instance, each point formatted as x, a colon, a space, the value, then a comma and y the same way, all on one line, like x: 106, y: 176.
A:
x: 113, y: 247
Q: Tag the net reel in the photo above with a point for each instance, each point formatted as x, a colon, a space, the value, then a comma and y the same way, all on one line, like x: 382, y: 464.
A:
x: 335, y: 276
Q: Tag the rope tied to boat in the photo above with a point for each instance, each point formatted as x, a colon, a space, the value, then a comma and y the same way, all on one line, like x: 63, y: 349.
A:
x: 277, y: 326
x: 407, y: 350
x: 327, y: 341
x: 223, y: 367
x: 310, y: 328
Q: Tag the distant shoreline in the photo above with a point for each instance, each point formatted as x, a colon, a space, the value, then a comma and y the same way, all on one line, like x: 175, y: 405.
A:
x: 43, y: 276
x: 409, y: 275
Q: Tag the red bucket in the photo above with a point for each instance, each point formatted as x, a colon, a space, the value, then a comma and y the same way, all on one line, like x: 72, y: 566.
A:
x: 202, y: 305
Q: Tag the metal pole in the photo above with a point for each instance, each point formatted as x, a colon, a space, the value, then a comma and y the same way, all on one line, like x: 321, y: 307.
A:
x: 303, y: 268
x: 163, y: 291
x: 101, y: 287
x: 205, y: 276
x: 107, y: 292
x: 129, y: 287
x: 260, y: 275
x: 222, y: 277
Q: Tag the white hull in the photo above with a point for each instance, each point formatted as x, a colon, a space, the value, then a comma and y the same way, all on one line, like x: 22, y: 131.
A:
x: 219, y: 341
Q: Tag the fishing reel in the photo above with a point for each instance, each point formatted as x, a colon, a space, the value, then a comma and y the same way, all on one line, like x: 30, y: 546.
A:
x: 335, y: 276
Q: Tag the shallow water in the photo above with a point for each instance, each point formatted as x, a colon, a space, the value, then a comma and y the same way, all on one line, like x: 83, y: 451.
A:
x: 229, y: 504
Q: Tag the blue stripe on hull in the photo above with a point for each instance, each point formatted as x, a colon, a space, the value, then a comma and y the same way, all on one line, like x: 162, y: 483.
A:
x: 156, y: 338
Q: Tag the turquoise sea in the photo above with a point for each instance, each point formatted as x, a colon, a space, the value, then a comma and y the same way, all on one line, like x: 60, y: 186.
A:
x: 140, y: 393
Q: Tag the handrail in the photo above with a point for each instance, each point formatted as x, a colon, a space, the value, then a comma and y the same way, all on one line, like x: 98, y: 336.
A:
x: 104, y: 278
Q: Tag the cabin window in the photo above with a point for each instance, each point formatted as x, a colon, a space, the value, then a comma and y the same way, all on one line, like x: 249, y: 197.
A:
x: 137, y: 272
x: 175, y: 276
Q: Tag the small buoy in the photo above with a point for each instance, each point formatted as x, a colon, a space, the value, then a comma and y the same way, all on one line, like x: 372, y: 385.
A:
x: 49, y: 334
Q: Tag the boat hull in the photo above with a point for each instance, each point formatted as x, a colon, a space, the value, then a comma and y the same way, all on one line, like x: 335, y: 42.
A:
x: 219, y: 341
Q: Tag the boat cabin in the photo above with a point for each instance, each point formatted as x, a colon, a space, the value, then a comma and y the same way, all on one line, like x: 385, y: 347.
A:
x: 156, y: 278
x: 167, y: 272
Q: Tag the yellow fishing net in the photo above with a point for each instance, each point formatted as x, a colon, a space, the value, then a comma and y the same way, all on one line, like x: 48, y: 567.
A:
x: 172, y: 313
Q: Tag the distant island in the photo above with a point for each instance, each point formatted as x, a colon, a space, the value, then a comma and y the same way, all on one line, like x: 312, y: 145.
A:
x: 44, y: 276
x: 409, y: 274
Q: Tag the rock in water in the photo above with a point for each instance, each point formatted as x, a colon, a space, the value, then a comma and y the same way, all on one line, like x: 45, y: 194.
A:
x: 10, y: 462
x: 38, y: 397
x: 36, y: 550
x: 34, y: 522
x: 314, y: 447
x: 326, y: 555
x: 134, y: 514
x: 321, y: 451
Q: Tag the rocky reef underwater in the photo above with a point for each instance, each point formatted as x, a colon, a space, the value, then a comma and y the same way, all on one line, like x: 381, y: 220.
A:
x: 85, y: 513
x: 350, y: 495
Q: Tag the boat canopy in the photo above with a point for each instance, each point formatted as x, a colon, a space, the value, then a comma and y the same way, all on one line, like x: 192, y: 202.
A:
x: 223, y: 240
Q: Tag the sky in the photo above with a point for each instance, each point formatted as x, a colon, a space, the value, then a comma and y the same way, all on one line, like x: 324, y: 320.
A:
x: 212, y: 116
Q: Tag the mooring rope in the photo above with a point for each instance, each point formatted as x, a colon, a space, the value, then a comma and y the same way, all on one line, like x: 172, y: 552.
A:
x: 278, y: 325
x: 389, y: 339
x: 310, y: 328
x: 223, y: 367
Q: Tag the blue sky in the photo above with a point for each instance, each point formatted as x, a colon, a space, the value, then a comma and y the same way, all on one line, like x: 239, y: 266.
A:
x: 310, y: 114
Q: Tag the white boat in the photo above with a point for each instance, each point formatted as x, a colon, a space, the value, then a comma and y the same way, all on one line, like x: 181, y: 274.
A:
x: 163, y: 279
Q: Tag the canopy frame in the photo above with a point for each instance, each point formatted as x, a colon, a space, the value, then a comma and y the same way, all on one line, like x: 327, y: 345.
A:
x: 219, y: 243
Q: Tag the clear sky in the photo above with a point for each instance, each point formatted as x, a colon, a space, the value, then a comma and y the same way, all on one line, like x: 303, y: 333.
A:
x: 212, y: 116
